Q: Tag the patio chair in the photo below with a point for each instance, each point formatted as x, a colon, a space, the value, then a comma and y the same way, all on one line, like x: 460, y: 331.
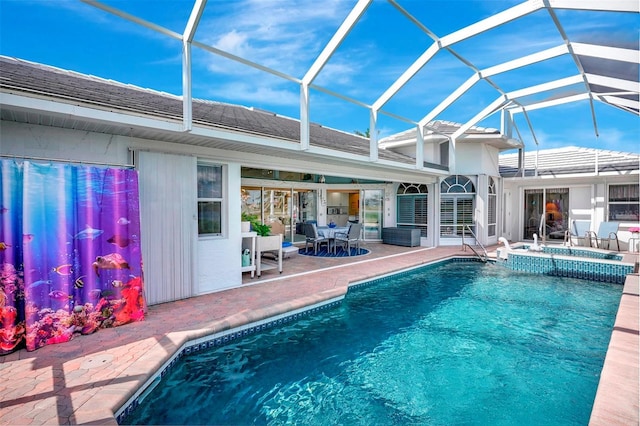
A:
x: 607, y: 231
x: 579, y: 231
x: 312, y: 237
x: 352, y: 237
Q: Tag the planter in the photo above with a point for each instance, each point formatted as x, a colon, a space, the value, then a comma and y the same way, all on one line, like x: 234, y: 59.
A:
x: 245, y: 226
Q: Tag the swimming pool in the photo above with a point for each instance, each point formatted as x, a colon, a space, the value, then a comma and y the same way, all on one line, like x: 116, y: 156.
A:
x: 450, y: 343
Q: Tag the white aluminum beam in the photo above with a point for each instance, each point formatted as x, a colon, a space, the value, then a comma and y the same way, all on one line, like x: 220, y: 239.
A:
x: 187, y: 38
x: 461, y: 90
x: 407, y: 75
x: 607, y: 52
x: 551, y: 103
x: 545, y: 86
x: 621, y: 102
x: 597, y: 5
x: 305, y: 142
x: 493, y: 107
x: 616, y: 83
x: 525, y: 60
x: 194, y: 20
x: 339, y: 36
x: 187, y: 100
x: 134, y: 19
x: 373, y: 135
x: 491, y: 22
x: 251, y: 64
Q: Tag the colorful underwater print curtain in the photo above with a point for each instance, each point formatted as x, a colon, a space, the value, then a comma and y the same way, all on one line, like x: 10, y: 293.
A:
x: 69, y: 252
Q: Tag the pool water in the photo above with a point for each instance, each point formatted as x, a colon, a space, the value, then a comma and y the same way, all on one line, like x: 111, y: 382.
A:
x: 454, y: 343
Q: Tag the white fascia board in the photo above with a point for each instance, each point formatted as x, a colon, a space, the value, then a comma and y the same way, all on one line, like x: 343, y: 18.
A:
x: 336, y: 40
x: 493, y: 107
x: 606, y: 52
x: 407, y: 75
x: 598, y: 5
x: 128, y: 120
x: 461, y: 90
x: 568, y: 81
x: 551, y: 103
x: 525, y: 60
x: 491, y: 22
x: 64, y: 109
x: 616, y: 83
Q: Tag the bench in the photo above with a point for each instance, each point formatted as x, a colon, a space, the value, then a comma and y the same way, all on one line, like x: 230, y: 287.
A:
x: 409, y: 237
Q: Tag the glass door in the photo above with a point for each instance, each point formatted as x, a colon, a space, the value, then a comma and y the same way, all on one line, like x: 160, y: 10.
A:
x: 371, y: 214
x: 546, y: 213
x: 304, y: 209
x: 533, y: 212
x: 276, y: 211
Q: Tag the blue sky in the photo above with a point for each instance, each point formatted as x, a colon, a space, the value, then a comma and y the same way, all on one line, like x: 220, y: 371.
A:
x: 288, y: 36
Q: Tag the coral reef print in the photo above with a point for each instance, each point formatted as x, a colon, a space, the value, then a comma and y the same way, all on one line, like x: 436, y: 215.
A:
x: 70, y: 260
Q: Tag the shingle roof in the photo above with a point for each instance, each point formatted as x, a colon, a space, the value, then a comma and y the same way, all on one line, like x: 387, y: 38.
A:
x: 569, y: 160
x: 41, y: 81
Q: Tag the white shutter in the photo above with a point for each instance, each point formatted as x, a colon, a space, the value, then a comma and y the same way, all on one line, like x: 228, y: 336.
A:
x: 168, y: 199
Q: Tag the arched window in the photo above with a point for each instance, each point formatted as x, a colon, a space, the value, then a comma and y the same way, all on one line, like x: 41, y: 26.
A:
x: 457, y: 194
x: 412, y: 202
x: 492, y: 205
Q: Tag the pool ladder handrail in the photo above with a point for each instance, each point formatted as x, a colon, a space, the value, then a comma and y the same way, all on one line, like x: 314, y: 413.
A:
x: 478, y: 243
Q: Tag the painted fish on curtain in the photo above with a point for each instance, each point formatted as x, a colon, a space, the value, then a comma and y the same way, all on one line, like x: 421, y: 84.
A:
x: 70, y: 259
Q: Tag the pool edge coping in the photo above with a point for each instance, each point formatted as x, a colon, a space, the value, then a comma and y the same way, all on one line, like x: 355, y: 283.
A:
x: 617, y: 385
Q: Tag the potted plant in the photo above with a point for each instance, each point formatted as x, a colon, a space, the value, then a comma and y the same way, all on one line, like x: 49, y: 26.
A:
x: 262, y: 229
x: 247, y: 220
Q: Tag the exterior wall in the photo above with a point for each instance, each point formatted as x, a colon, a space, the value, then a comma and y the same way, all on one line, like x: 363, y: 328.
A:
x: 588, y: 199
x: 476, y: 158
x: 218, y: 261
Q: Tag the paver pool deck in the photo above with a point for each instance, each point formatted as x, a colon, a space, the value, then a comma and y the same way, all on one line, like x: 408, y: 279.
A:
x: 86, y: 380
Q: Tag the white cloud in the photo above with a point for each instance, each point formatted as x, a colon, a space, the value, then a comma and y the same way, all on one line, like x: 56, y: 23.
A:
x: 255, y: 94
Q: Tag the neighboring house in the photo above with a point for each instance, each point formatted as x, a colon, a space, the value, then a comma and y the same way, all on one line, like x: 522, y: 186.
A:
x: 553, y: 187
x: 195, y: 182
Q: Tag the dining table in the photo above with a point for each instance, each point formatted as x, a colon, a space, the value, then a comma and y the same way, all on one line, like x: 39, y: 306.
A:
x: 330, y: 234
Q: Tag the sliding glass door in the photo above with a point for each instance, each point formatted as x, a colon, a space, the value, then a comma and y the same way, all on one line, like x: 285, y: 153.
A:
x: 546, y: 213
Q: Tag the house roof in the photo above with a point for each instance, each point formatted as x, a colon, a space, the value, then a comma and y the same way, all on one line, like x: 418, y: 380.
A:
x: 569, y: 161
x: 439, y: 131
x: 37, y: 81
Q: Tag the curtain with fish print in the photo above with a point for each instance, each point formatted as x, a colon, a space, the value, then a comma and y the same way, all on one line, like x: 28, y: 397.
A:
x: 69, y: 252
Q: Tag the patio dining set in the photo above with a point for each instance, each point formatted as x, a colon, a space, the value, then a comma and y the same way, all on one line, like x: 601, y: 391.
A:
x: 344, y: 237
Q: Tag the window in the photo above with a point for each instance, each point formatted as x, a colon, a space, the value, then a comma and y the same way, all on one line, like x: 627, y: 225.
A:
x: 209, y: 199
x: 412, y: 207
x: 456, y: 206
x: 492, y: 214
x: 624, y: 203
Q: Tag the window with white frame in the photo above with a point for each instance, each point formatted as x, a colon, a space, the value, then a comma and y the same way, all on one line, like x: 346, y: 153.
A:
x: 624, y: 202
x: 457, y: 195
x: 412, y: 203
x: 210, y: 198
x: 492, y: 203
